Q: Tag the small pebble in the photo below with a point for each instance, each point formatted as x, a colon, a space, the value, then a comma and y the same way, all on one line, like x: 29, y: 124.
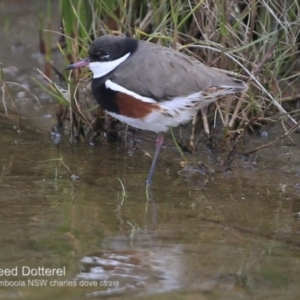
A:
x: 11, y: 70
x: 264, y: 134
x: 74, y: 177
x: 21, y: 94
x: 56, y: 137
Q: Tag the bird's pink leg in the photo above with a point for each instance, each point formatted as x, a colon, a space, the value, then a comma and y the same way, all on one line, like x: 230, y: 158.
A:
x: 159, y: 143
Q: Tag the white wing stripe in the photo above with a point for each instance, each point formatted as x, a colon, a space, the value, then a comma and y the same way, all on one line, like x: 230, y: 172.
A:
x: 118, y: 88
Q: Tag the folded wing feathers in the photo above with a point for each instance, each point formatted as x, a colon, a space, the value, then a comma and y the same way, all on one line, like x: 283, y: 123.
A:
x: 161, y: 73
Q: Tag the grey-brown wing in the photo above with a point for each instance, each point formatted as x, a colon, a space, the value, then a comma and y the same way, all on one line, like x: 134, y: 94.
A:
x: 162, y: 73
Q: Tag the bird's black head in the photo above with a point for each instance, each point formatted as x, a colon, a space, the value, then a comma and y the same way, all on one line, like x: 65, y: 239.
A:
x: 108, y: 48
x: 106, y: 53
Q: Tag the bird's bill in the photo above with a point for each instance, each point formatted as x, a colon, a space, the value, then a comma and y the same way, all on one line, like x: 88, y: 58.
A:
x: 79, y: 64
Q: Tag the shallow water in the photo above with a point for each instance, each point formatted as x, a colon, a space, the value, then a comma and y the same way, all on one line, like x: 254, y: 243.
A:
x: 233, y: 235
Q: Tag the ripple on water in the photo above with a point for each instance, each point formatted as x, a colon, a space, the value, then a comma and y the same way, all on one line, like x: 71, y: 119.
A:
x: 131, y: 270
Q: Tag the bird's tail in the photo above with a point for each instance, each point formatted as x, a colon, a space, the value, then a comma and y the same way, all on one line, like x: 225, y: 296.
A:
x: 236, y: 86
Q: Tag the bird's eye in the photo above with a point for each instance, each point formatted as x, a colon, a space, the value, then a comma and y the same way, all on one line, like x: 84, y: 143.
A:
x: 105, y: 56
x: 102, y: 55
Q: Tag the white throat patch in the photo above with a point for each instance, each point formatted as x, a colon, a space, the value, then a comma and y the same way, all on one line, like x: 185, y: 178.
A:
x: 100, y: 69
